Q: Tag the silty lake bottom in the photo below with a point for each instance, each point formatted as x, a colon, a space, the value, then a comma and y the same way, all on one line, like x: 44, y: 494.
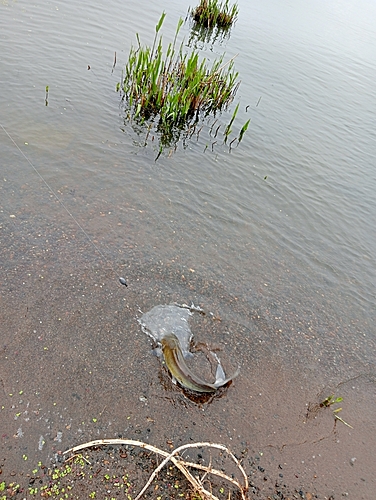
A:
x: 275, y: 242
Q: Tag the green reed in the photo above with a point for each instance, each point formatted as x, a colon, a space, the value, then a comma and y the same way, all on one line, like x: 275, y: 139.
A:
x: 214, y: 13
x: 174, y: 86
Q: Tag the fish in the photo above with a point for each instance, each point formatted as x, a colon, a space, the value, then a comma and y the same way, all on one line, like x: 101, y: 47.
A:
x: 179, y: 370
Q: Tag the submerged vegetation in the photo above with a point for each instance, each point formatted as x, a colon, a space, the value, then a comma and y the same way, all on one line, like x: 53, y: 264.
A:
x: 212, y: 13
x: 172, y: 91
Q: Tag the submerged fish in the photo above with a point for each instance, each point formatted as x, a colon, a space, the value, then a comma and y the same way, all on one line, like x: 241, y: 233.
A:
x: 179, y: 370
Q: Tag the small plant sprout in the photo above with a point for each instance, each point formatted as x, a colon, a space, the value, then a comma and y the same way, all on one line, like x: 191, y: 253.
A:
x: 330, y: 401
x: 243, y: 130
x: 228, y: 129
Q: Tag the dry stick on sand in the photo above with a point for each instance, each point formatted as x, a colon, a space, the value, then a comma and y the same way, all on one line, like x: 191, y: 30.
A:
x: 178, y: 462
x: 210, y: 470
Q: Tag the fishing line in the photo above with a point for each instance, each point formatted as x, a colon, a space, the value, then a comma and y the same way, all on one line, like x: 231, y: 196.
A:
x: 120, y: 278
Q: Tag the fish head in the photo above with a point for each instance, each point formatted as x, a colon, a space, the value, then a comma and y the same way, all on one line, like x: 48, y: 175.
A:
x: 169, y: 341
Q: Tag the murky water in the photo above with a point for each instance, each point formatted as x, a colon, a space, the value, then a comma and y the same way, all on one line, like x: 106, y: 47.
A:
x: 276, y: 239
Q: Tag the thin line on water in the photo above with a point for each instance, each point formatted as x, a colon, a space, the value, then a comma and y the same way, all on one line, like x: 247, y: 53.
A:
x: 121, y: 279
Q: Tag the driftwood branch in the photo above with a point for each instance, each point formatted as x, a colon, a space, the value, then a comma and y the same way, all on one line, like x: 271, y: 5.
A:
x: 180, y: 463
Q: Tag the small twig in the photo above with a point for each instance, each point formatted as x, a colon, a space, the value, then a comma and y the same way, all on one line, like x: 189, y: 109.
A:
x: 195, y: 445
x: 77, y: 455
x: 101, y: 442
x: 208, y: 469
x: 341, y: 420
x: 215, y: 472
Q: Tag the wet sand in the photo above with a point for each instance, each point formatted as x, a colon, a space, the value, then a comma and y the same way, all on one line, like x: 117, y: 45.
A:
x: 75, y: 366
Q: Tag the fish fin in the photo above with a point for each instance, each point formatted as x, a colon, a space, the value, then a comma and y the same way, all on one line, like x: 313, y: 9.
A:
x: 220, y: 375
x: 221, y: 381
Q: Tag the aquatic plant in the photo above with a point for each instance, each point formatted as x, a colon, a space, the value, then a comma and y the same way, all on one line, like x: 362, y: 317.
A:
x: 173, y: 90
x: 212, y: 13
x: 204, y: 28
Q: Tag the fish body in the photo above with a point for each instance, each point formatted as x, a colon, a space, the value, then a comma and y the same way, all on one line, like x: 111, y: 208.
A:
x: 179, y: 370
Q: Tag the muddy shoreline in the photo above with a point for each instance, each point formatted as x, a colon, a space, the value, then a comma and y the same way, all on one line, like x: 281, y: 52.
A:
x: 77, y: 367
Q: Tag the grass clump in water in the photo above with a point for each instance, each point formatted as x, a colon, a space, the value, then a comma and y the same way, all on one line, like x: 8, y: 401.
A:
x: 175, y: 88
x: 212, y: 13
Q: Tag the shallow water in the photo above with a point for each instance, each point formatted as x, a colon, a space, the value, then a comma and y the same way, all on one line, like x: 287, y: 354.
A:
x: 163, y: 320
x: 276, y: 238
